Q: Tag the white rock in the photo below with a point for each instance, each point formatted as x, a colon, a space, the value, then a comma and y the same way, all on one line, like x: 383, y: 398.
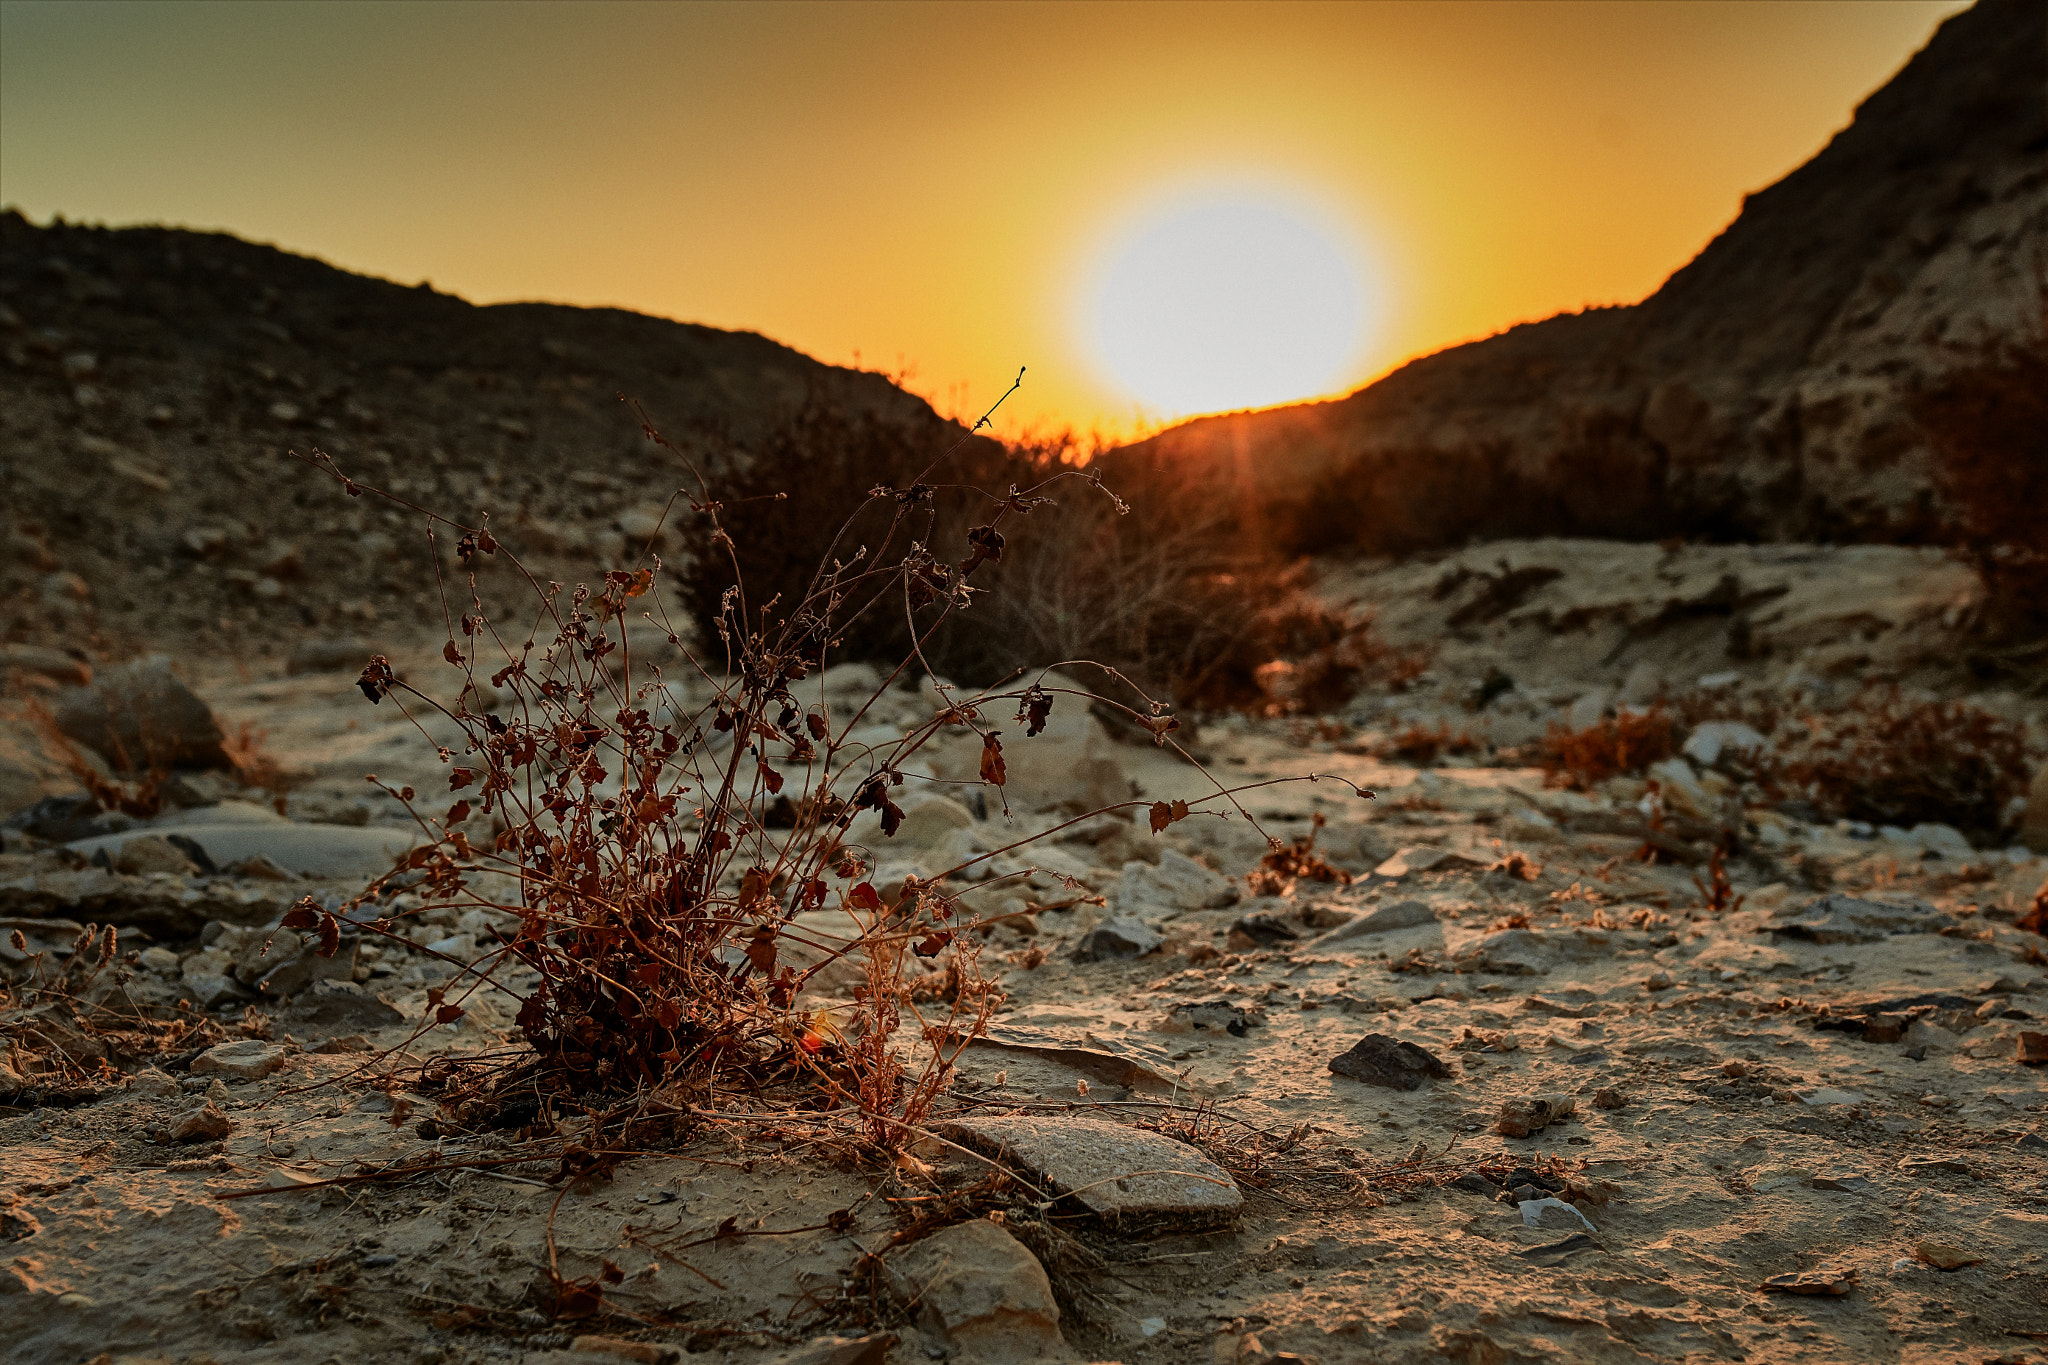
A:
x: 1177, y: 883
x: 1554, y: 1213
x: 1682, y: 790
x: 1710, y: 741
x: 850, y: 680
x: 1642, y: 685
x: 1587, y: 711
x: 975, y: 1286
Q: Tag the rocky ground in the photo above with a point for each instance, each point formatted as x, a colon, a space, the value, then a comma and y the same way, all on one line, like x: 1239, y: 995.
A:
x: 1485, y: 1085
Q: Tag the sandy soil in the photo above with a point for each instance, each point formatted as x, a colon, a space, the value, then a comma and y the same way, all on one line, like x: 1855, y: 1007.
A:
x: 1726, y: 1127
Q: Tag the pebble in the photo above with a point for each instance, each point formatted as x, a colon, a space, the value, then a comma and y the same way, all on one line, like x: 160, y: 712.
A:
x: 1120, y: 938
x: 1932, y: 1165
x: 1380, y: 1059
x: 1607, y: 1097
x: 1943, y: 1256
x: 1848, y: 1184
x: 1213, y: 1016
x: 1382, y: 919
x: 204, y: 1124
x: 2033, y: 1049
x: 1827, y: 1283
x: 1530, y: 1114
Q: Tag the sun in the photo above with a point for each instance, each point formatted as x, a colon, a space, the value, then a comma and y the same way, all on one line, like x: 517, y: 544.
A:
x: 1220, y: 301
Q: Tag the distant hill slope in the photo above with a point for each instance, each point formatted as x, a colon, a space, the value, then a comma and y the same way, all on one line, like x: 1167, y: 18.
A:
x: 151, y: 381
x: 1763, y: 391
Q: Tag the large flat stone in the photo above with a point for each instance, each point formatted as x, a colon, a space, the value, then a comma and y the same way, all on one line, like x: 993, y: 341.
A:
x: 1129, y: 1177
x: 342, y: 852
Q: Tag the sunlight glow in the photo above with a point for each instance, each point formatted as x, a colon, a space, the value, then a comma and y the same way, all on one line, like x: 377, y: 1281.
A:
x: 1224, y: 301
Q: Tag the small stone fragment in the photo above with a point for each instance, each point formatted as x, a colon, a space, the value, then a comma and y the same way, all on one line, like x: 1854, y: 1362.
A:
x: 1847, y: 1184
x: 204, y: 1124
x: 1885, y: 1028
x: 868, y: 1350
x: 646, y: 1352
x: 1379, y: 1059
x: 1607, y: 1097
x: 1383, y: 919
x: 2033, y: 1049
x: 1578, y: 1241
x: 1260, y: 930
x: 245, y: 1060
x: 1530, y: 1114
x: 1120, y: 938
x: 1829, y: 1283
x: 1552, y: 1212
x: 1943, y: 1256
x: 2031, y: 1142
x: 1932, y: 1165
x: 1213, y: 1016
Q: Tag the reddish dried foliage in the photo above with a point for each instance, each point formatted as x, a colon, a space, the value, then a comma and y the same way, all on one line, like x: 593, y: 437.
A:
x: 1891, y: 761
x: 1618, y: 746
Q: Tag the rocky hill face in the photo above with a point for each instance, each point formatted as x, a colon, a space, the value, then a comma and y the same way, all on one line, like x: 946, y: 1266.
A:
x: 1766, y: 390
x: 152, y: 382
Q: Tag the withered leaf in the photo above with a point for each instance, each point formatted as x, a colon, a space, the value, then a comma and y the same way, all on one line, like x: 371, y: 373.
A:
x: 1035, y: 708
x: 933, y: 943
x: 376, y: 678
x: 452, y: 654
x: 1160, y: 815
x: 754, y: 884
x: 818, y: 726
x: 813, y: 894
x: 303, y: 915
x: 770, y: 778
x: 330, y: 936
x: 992, y: 759
x: 457, y: 813
x: 863, y: 897
x: 892, y: 818
x: 460, y: 778
x: 761, y: 950
x: 612, y: 1274
x: 448, y: 1014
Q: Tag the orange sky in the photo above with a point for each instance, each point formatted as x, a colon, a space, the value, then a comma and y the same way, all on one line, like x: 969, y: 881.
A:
x: 926, y: 185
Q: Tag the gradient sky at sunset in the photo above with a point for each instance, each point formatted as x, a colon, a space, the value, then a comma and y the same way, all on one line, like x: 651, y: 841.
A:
x: 936, y: 185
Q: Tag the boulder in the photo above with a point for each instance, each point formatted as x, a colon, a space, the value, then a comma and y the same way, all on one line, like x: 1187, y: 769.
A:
x: 33, y: 664
x: 141, y: 714
x: 1071, y: 765
x: 975, y: 1287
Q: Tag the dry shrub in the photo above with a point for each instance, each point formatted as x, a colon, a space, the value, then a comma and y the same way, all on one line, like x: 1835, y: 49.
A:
x: 1172, y: 592
x: 1887, y: 760
x: 1621, y: 745
x: 1423, y: 745
x: 664, y: 839
x: 139, y: 793
x: 1985, y: 423
x: 1297, y: 861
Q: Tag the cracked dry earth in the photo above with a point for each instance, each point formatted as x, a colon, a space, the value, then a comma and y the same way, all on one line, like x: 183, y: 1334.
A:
x: 1821, y: 1081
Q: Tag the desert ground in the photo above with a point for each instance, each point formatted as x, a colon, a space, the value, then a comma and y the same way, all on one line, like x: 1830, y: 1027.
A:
x: 1491, y: 1073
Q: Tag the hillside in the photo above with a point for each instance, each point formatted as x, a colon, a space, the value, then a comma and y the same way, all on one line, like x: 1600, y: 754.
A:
x: 1764, y: 391
x: 152, y: 382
